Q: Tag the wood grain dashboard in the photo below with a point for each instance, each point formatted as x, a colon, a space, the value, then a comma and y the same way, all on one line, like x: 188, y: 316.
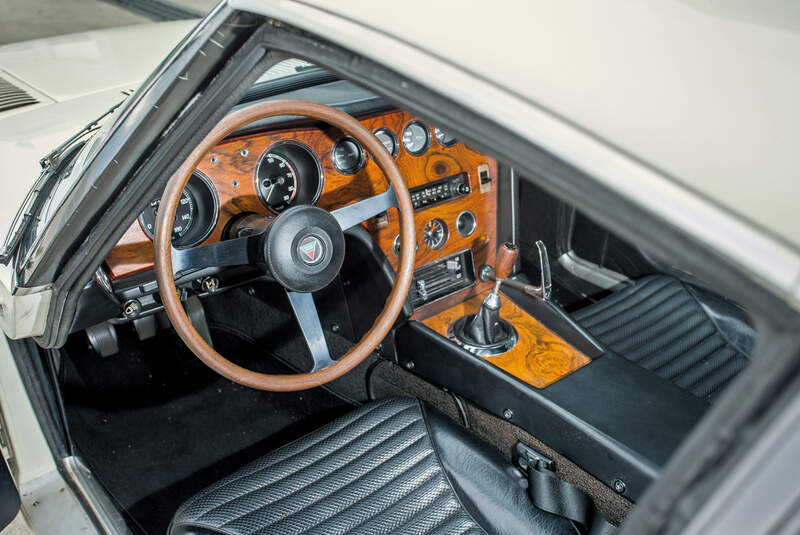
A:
x: 231, y: 169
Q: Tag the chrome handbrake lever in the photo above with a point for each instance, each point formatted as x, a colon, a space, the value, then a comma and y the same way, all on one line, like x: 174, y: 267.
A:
x: 545, y: 288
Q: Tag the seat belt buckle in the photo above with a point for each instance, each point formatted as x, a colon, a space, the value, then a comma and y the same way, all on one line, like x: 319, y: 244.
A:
x: 528, y: 458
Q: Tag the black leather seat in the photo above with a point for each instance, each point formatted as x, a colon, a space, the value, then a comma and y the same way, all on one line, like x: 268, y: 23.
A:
x: 684, y: 334
x: 391, y: 466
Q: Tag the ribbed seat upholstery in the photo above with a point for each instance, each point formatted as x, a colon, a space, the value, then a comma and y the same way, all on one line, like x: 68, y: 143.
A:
x: 684, y: 334
x: 391, y: 466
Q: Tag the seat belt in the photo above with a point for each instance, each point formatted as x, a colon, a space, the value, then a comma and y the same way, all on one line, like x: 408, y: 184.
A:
x: 556, y: 496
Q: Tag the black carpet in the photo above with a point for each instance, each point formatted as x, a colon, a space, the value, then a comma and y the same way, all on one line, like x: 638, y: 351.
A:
x: 156, y: 426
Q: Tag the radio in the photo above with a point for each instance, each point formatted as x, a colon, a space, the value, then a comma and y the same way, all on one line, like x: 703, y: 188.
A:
x: 440, y: 191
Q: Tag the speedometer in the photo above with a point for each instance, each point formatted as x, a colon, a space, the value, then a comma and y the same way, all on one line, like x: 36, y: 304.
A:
x: 416, y: 138
x: 184, y: 216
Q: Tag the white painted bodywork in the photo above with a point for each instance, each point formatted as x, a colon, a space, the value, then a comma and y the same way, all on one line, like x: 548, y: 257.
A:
x: 76, y: 78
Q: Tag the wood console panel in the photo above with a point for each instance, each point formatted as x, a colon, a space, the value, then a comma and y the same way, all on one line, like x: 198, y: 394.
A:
x: 231, y: 168
x: 540, y: 357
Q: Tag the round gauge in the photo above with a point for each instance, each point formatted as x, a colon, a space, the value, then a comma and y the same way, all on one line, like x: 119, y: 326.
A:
x: 396, y: 245
x: 277, y: 181
x: 444, y: 139
x: 388, y: 139
x: 288, y: 173
x: 416, y: 138
x: 436, y: 234
x: 195, y: 217
x: 466, y: 223
x: 184, y: 216
x: 347, y: 155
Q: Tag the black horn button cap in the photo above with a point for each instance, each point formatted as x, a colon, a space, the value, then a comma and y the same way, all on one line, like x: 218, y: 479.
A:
x: 304, y: 248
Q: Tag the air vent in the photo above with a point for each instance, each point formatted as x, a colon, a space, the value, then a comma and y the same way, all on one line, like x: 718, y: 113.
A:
x: 12, y: 96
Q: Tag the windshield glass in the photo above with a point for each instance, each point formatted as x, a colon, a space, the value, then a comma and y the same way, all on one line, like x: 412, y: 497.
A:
x: 62, y: 183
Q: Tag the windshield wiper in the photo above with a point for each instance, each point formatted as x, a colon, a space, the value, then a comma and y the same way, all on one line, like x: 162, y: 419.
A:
x: 34, y: 199
x: 53, y: 157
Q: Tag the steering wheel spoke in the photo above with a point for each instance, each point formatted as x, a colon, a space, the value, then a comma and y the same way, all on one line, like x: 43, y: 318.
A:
x: 235, y: 252
x: 357, y: 212
x: 306, y: 313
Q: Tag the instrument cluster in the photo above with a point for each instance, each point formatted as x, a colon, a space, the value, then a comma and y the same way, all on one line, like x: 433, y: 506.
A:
x: 245, y: 179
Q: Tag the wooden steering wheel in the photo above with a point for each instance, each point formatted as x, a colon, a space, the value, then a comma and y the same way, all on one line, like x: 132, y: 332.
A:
x: 303, y: 250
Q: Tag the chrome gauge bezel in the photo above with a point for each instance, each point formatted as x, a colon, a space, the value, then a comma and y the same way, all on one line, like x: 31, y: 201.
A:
x: 392, y: 135
x: 396, y: 246
x: 427, y: 130
x: 472, y: 228
x: 445, y: 233
x: 361, y: 156
x: 211, y: 203
x: 301, y: 196
x: 437, y: 131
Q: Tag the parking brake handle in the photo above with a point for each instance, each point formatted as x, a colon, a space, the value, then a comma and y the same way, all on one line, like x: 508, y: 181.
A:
x: 507, y: 256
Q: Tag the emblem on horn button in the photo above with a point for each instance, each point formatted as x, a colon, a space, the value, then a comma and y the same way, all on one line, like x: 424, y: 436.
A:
x: 311, y: 250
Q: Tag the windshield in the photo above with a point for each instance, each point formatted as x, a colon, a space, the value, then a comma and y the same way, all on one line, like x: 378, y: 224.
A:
x: 59, y: 185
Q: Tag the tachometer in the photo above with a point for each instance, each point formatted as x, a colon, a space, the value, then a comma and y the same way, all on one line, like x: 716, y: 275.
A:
x: 184, y: 216
x: 416, y: 138
x: 278, y: 181
x: 288, y: 173
x: 436, y: 234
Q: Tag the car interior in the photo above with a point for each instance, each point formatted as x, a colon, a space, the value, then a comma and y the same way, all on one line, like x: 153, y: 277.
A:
x: 538, y: 362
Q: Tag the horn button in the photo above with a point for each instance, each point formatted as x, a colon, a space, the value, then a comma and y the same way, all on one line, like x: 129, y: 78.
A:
x: 304, y: 248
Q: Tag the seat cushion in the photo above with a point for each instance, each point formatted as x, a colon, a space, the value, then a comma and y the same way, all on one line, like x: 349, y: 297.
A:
x: 686, y: 335
x: 391, y: 466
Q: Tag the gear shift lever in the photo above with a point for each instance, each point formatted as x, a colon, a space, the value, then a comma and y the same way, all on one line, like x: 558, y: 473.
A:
x: 485, y: 332
x: 501, y: 272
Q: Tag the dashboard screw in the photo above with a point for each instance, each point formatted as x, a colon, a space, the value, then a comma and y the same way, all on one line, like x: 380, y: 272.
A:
x: 508, y: 414
x: 244, y: 152
x: 619, y: 486
x: 251, y: 291
x: 335, y: 328
x: 213, y: 159
x: 235, y: 183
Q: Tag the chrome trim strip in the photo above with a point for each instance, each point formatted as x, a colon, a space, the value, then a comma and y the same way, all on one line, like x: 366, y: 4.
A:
x: 95, y: 498
x: 591, y: 272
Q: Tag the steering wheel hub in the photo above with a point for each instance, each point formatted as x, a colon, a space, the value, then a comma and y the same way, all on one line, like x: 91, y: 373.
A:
x: 304, y: 248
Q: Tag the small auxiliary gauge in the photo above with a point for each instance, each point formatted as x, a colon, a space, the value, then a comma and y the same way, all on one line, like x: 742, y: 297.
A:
x: 396, y: 245
x: 466, y: 223
x: 347, y: 156
x: 444, y: 139
x: 416, y: 138
x: 388, y: 139
x: 436, y: 233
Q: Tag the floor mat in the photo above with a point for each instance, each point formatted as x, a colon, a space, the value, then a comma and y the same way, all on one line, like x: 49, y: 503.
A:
x: 156, y: 426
